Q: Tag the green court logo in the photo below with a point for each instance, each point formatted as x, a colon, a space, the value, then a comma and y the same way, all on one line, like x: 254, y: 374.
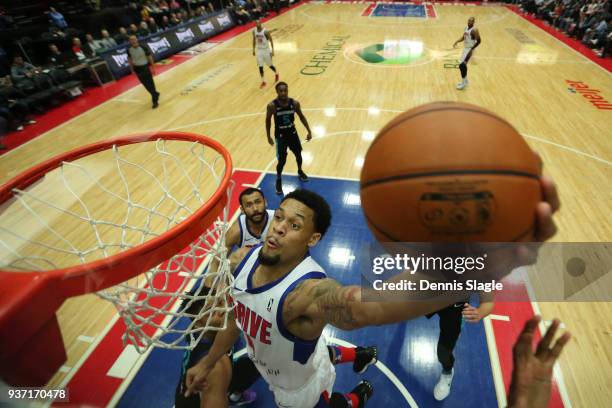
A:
x: 400, y: 52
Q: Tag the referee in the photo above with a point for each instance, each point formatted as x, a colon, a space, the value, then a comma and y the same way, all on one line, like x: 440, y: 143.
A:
x: 141, y: 64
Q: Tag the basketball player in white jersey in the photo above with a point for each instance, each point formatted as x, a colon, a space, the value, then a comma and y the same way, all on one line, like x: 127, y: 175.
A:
x: 283, y: 301
x: 251, y: 226
x: 262, y: 41
x: 471, y: 40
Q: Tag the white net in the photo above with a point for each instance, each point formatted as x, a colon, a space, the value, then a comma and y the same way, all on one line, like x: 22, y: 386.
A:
x: 106, y: 203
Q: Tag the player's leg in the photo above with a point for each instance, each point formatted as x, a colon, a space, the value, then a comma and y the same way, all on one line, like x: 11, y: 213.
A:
x: 450, y: 329
x: 272, y: 67
x: 361, y: 357
x: 465, y: 57
x: 357, y: 398
x: 219, y: 378
x: 260, y: 64
x: 296, y: 149
x: 281, y: 157
x: 244, y: 375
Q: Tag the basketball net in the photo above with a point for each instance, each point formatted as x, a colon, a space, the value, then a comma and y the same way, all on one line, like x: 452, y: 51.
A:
x: 166, y: 306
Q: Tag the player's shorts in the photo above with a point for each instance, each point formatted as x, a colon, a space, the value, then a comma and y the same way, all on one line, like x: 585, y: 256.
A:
x: 263, y: 57
x: 466, y: 55
x: 289, y: 140
x: 309, y: 394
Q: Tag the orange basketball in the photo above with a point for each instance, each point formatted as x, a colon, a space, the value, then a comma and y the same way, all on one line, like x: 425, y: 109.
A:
x: 450, y: 172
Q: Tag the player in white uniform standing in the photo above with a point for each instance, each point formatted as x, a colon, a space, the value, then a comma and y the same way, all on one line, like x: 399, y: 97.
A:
x: 283, y: 301
x: 471, y: 40
x: 262, y: 41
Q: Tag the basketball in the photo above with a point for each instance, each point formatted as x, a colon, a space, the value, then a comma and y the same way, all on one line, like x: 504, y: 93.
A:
x: 450, y: 172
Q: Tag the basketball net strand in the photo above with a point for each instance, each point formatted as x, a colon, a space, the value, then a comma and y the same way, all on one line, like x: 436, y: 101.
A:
x: 167, y: 305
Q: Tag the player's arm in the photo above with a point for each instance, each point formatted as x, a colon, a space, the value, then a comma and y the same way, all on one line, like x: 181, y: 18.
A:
x: 328, y: 302
x: 269, y: 113
x: 298, y: 110
x: 269, y: 37
x: 473, y: 314
x: 253, y: 42
x: 476, y: 36
x: 458, y: 41
x: 224, y: 340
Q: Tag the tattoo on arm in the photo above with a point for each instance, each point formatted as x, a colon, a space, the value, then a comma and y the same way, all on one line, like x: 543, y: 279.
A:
x: 335, y: 303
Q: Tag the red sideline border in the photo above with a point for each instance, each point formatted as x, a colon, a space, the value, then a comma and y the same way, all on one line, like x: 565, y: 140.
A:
x: 93, y: 97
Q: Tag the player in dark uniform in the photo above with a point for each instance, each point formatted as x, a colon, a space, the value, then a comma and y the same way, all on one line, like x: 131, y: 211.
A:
x: 451, y: 322
x: 225, y: 377
x: 284, y: 109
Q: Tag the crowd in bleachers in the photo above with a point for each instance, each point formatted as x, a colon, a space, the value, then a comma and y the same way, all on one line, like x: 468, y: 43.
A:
x: 588, y: 21
x: 56, y: 69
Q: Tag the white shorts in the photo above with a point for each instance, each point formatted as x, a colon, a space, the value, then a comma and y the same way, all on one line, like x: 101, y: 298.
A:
x: 263, y: 56
x: 309, y: 394
x: 464, y: 55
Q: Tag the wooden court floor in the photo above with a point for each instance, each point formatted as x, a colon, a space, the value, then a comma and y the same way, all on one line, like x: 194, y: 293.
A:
x: 519, y: 72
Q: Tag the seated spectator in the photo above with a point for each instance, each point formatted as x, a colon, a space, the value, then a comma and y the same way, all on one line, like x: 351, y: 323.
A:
x: 56, y: 33
x: 174, y: 5
x: 81, y: 52
x: 133, y: 30
x: 606, y: 49
x: 253, y: 9
x: 57, y: 18
x: 144, y: 13
x: 598, y: 29
x: 93, y: 45
x: 143, y: 30
x: 163, y: 5
x: 184, y: 16
x: 14, y: 108
x: 56, y: 57
x: 21, y: 70
x: 106, y: 42
x: 240, y: 14
x: 165, y: 23
x: 174, y: 20
x: 122, y: 36
x: 153, y: 27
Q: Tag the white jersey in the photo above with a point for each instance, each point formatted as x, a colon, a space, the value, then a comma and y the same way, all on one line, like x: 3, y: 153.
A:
x: 287, y: 363
x: 468, y: 41
x: 247, y: 238
x: 261, y: 42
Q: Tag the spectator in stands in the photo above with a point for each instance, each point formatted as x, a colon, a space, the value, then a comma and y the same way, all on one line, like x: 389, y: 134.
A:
x: 174, y: 20
x: 153, y: 27
x: 14, y: 108
x: 184, y: 16
x: 93, y: 45
x: 133, y: 30
x: 122, y: 36
x: 606, y: 50
x: 165, y: 23
x: 6, y: 21
x: 144, y: 13
x: 143, y: 29
x: 81, y: 52
x: 253, y: 9
x: 106, y: 41
x: 174, y: 5
x: 21, y: 70
x: 56, y: 57
x: 598, y: 30
x: 163, y: 5
x: 240, y: 14
x: 57, y: 18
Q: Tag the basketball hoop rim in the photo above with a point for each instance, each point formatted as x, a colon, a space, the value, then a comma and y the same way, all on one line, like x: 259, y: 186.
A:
x: 102, y: 273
